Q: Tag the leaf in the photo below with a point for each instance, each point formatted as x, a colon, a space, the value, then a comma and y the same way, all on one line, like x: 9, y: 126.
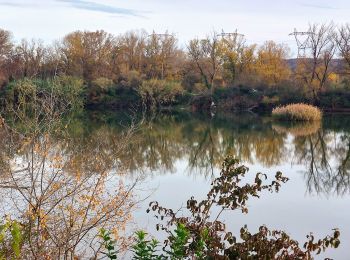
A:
x: 17, y: 238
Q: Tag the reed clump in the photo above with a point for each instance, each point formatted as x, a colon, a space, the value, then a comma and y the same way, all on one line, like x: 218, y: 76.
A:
x: 297, y: 112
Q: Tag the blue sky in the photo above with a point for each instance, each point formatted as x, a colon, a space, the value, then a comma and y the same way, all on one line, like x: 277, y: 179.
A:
x: 259, y: 20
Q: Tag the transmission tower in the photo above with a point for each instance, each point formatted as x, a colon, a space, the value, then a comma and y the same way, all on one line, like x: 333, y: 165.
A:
x: 161, y: 35
x: 234, y: 34
x: 303, y: 41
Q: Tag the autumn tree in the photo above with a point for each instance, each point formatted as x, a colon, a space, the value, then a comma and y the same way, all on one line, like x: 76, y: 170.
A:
x: 132, y: 47
x: 236, y: 56
x: 161, y: 52
x: 89, y: 55
x: 206, y: 54
x: 271, y: 63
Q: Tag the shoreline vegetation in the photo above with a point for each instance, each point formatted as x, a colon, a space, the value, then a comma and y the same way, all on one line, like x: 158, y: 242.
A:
x: 142, y: 71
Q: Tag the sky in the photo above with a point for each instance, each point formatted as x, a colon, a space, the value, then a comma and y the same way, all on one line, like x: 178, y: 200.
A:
x: 258, y: 20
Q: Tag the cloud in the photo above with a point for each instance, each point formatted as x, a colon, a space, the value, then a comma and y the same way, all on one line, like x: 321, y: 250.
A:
x: 13, y: 4
x: 93, y: 6
x: 319, y: 6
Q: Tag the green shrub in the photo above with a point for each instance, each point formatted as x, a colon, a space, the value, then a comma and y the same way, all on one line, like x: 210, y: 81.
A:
x: 144, y: 249
x: 64, y: 92
x: 69, y: 90
x: 108, y: 243
x: 335, y: 98
x: 99, y: 90
x: 297, y: 112
x: 155, y: 93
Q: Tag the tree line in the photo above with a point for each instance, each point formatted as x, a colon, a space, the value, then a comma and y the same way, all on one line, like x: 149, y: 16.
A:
x: 156, y: 70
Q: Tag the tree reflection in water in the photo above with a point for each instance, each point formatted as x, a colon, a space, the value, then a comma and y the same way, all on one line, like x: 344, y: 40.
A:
x: 323, y: 149
x: 326, y: 155
x: 203, y: 143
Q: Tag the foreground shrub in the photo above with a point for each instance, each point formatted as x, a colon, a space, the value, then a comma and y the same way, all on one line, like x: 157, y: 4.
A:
x: 198, y: 232
x: 297, y: 112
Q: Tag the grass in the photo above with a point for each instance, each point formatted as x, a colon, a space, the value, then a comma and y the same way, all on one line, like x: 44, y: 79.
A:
x: 297, y: 112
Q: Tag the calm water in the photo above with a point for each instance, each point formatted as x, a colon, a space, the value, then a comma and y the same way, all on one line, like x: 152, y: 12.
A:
x: 177, y: 156
x: 180, y: 155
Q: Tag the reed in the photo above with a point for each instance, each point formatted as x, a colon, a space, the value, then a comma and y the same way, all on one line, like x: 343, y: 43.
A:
x: 297, y: 112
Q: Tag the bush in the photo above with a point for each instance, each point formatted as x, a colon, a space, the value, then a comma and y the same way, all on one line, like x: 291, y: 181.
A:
x: 337, y: 99
x: 69, y: 90
x: 130, y: 80
x: 99, y: 90
x: 64, y: 92
x: 237, y: 98
x: 297, y: 112
x: 159, y: 92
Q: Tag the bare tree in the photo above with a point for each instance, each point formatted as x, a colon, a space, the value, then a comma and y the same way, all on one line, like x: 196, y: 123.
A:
x: 206, y: 54
x: 343, y: 43
x: 314, y: 69
x: 32, y: 55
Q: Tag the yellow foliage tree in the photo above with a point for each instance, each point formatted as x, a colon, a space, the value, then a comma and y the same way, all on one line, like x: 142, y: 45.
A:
x: 271, y: 63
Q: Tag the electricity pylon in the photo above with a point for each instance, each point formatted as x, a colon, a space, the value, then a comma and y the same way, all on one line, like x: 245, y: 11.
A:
x: 303, y: 41
x: 234, y: 34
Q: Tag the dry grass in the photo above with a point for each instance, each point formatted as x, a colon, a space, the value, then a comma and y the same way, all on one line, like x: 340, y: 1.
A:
x: 297, y: 112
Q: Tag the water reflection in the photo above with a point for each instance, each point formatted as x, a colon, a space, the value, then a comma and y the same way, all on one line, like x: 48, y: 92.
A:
x: 325, y: 155
x: 323, y: 149
x: 296, y: 128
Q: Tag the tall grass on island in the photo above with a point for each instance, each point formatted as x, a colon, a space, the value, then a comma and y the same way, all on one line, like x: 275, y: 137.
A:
x: 297, y: 112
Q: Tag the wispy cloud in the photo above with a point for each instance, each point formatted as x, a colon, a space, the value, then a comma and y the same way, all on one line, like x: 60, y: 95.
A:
x: 319, y: 6
x: 14, y: 4
x: 93, y: 6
